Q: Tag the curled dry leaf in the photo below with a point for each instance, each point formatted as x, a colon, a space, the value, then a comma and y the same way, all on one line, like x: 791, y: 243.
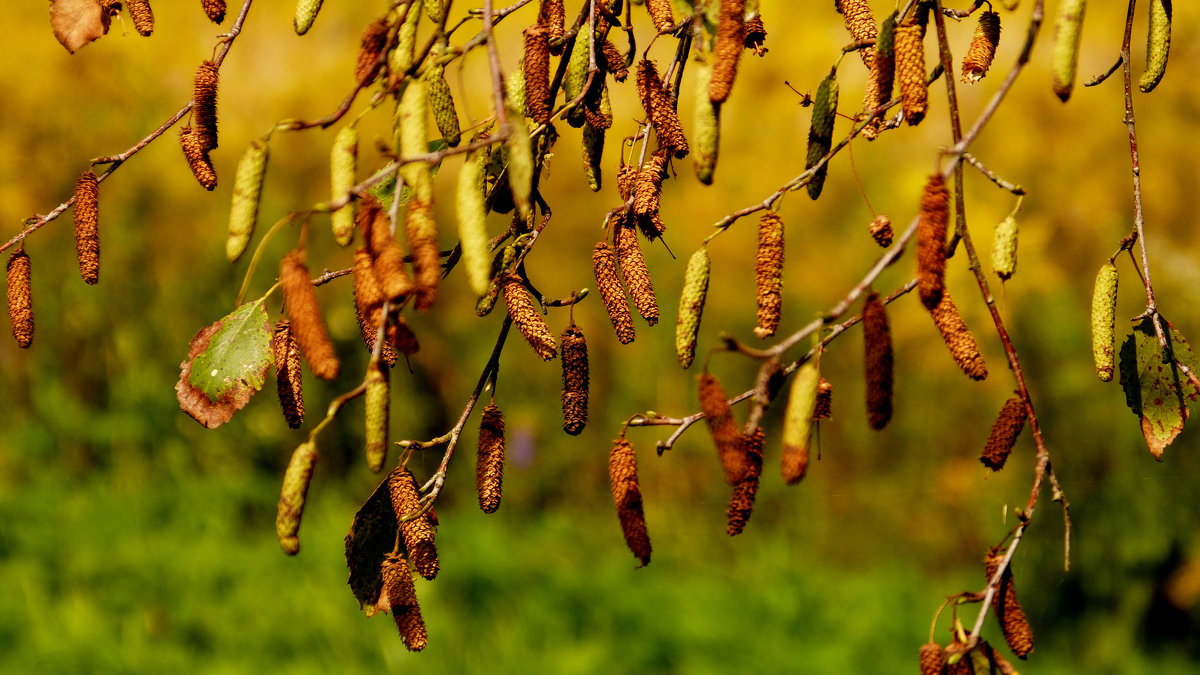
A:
x: 77, y: 22
x: 227, y: 363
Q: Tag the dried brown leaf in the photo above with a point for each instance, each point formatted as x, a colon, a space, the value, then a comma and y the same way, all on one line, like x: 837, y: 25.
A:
x: 77, y: 22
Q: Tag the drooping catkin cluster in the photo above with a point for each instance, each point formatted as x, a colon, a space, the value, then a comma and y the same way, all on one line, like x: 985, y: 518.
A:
x: 627, y: 497
x: 292, y: 495
x: 820, y: 131
x: 197, y: 159
x: 768, y: 273
x: 371, y: 47
x: 247, y: 195
x: 691, y: 306
x: 718, y: 414
x: 204, y: 105
x: 489, y: 459
x: 536, y: 65
x: 910, y: 70
x: 879, y: 362
x: 755, y: 35
x: 387, y: 258
x: 881, y: 230
x: 1017, y: 632
x: 422, y: 233
x: 604, y: 265
x: 741, y: 501
x: 529, y: 321
x: 1005, y: 431
x: 87, y: 226
x: 368, y: 305
x: 727, y: 50
x: 289, y: 381
x: 661, y: 15
x: 300, y: 302
x: 20, y: 298
x: 215, y: 9
x: 552, y: 15
x: 1104, y: 316
x: 574, y: 380
x: 401, y: 597
x: 377, y: 409
x: 1004, y: 248
x: 142, y: 16
x: 983, y: 47
x: 417, y: 533
x: 636, y: 275
x: 860, y: 24
x: 797, y: 422
x: 659, y: 106
x: 958, y: 339
x: 931, y: 241
x: 882, y: 75
x: 932, y: 659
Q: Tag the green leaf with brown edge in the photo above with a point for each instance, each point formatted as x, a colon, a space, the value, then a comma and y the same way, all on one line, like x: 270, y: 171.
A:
x: 227, y: 363
x: 1156, y: 388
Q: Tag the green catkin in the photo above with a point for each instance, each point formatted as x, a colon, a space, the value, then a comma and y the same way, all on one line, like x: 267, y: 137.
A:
x: 247, y: 195
x: 306, y: 13
x: 706, y: 128
x: 593, y: 150
x: 820, y: 132
x: 296, y: 480
x: 343, y: 172
x: 1104, y: 310
x: 435, y: 10
x: 514, y: 88
x: 1158, y: 45
x: 401, y: 58
x: 500, y: 264
x: 576, y: 77
x: 377, y: 415
x: 797, y: 422
x: 691, y: 306
x: 442, y: 101
x: 1066, y: 46
x: 471, y: 209
x: 412, y: 131
x: 520, y: 164
x: 1004, y: 248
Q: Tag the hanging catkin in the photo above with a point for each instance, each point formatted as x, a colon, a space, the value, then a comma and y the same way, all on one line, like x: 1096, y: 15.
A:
x: 647, y: 185
x: 374, y: 41
x: 659, y: 106
x: 529, y: 321
x: 471, y: 209
x: 441, y: 99
x: 820, y: 131
x: 883, y: 70
x: 306, y: 14
x: 422, y: 233
x: 1158, y: 44
x: 574, y: 380
x: 292, y: 495
x: 768, y: 273
x: 932, y: 658
x: 204, y: 105
x: 755, y: 35
x: 20, y: 298
x: 87, y: 226
x: 387, y: 256
x: 247, y: 195
x: 931, y: 241
x: 578, y: 64
x: 368, y: 305
x: 635, y: 273
x: 418, y: 533
x: 289, y: 381
x: 489, y: 459
x: 627, y: 497
x: 536, y: 64
x: 860, y: 24
x: 520, y: 165
x: 1017, y: 632
x: 824, y: 407
x: 604, y: 265
x: 401, y: 597
x: 881, y: 230
x: 706, y: 125
x: 376, y: 403
x: 215, y: 9
x: 718, y: 414
x: 741, y: 502
x: 910, y: 70
x: 691, y: 306
x: 1005, y: 431
x: 727, y: 50
x: 142, y: 16
x: 797, y: 422
x: 879, y: 362
x: 983, y: 47
x: 614, y: 62
x: 1104, y: 316
x: 343, y: 173
x: 1004, y: 248
x: 197, y: 159
x: 300, y: 301
x: 412, y: 132
x: 958, y: 339
x: 593, y: 151
x: 552, y: 15
x: 1068, y: 29
x: 660, y: 14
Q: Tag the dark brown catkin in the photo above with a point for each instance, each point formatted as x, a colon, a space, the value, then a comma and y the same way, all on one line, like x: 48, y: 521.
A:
x: 197, y: 159
x: 87, y: 226
x: 614, y: 61
x: 660, y: 14
x: 552, y: 16
x: 910, y: 71
x: 958, y: 339
x: 20, y: 298
x: 877, y: 339
x: 489, y: 459
x: 755, y: 35
x: 718, y: 414
x: 727, y: 50
x: 1017, y: 632
x: 300, y: 301
x: 529, y: 321
x: 575, y: 380
x: 883, y: 71
x: 768, y: 273
x: 368, y: 304
x: 371, y: 47
x: 931, y: 241
x: 932, y: 659
x: 1005, y: 431
x: 418, y: 533
x: 537, y: 73
x: 401, y: 596
x: 204, y: 105
x: 289, y: 381
x: 741, y: 502
x: 604, y: 265
x: 824, y: 408
x: 983, y: 47
x: 635, y: 273
x: 142, y: 16
x: 627, y: 497
x: 660, y: 108
x: 881, y: 230
x: 215, y: 9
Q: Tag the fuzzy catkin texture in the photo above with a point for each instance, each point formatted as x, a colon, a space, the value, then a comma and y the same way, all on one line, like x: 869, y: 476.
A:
x: 489, y: 459
x: 604, y: 265
x: 741, y: 501
x: 422, y: 233
x: 1104, y: 316
x: 958, y: 339
x: 292, y: 495
x: 1005, y: 431
x: 635, y: 273
x: 142, y: 16
x: 289, y: 381
x: 87, y: 226
x: 768, y: 273
x: 388, y: 256
x: 647, y: 184
x: 931, y: 241
x: 1017, y: 631
x: 204, y: 105
x: 660, y: 14
x: 660, y: 108
x: 343, y: 172
x: 882, y: 76
x: 691, y: 306
x: 300, y: 301
x: 797, y: 422
x: 247, y: 195
x: 374, y: 42
x: 215, y: 9
x: 575, y: 380
x: 879, y: 361
x: 441, y: 99
x: 20, y: 298
x: 627, y: 497
x: 932, y: 659
x: 910, y: 71
x: 401, y: 596
x: 197, y: 159
x: 377, y: 409
x: 306, y: 14
x: 418, y: 533
x: 368, y: 305
x: 727, y: 50
x: 528, y: 319
x: 536, y: 65
x: 983, y: 47
x: 860, y: 24
x: 718, y: 414
x: 820, y: 131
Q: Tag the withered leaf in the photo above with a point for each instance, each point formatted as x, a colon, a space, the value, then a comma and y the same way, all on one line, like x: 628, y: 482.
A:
x: 371, y: 538
x: 227, y: 363
x: 77, y: 22
x: 1156, y: 389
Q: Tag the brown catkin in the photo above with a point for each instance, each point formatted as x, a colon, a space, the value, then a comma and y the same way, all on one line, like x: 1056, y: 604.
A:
x: 300, y: 301
x: 881, y: 231
x: 422, y: 233
x: 575, y: 380
x: 883, y: 71
x: 647, y: 185
x: 860, y: 24
x: 20, y: 298
x: 529, y: 321
x: 418, y: 533
x: 289, y: 381
x: 489, y: 459
x: 824, y: 408
x: 197, y: 159
x: 983, y: 48
x: 727, y: 50
x: 997, y: 661
x: 1005, y: 431
x: 292, y: 495
x: 718, y: 414
x: 932, y: 659
x: 142, y: 16
x: 387, y: 256
x: 371, y: 47
x: 204, y: 105
x: 635, y: 273
x: 401, y: 596
x: 1017, y: 632
x: 368, y: 304
x: 768, y: 273
x: 879, y: 361
x: 958, y: 339
x: 552, y: 16
x: 910, y: 70
x: 931, y: 241
x: 536, y: 65
x: 660, y: 13
x: 604, y: 265
x: 627, y: 497
x: 755, y: 35
x: 660, y: 108
x: 215, y: 9
x: 627, y: 175
x: 87, y: 226
x: 741, y: 502
x: 614, y: 61
x: 402, y: 337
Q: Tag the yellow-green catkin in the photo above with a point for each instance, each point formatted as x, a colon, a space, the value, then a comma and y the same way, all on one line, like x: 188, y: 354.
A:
x: 593, y: 151
x: 306, y: 13
x: 691, y: 306
x: 377, y: 415
x: 1004, y: 248
x: 576, y: 76
x: 412, y: 132
x: 820, y: 131
x: 296, y: 480
x: 247, y: 195
x: 500, y: 264
x: 1158, y: 45
x: 343, y: 172
x: 1067, y: 32
x: 435, y: 10
x: 442, y: 101
x: 706, y: 126
x: 514, y: 90
x: 1104, y: 312
x: 797, y: 422
x: 470, y: 207
x: 400, y: 60
x: 520, y: 164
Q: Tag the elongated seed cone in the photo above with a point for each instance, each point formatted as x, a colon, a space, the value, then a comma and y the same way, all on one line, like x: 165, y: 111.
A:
x: 87, y: 226
x: 427, y: 255
x: 983, y: 47
x: 552, y: 16
x: 820, y: 131
x: 881, y: 230
x: 536, y: 65
x: 661, y: 15
x: 197, y: 159
x: 289, y: 381
x: 1158, y: 44
x: 529, y: 321
x: 377, y: 407
x: 1104, y: 314
x: 343, y: 174
x: 215, y: 9
x: 718, y: 414
x: 142, y: 16
x: 370, y: 51
x: 797, y: 422
x: 931, y: 241
x: 291, y: 497
x: 1005, y: 431
x: 824, y: 408
x: 1017, y: 632
x: 879, y: 362
x: 306, y: 14
x: 1004, y: 248
x: 442, y: 101
x: 401, y: 595
x: 575, y: 380
x: 691, y: 306
x: 958, y: 339
x: 471, y: 209
x: 614, y: 61
x: 627, y: 497
x: 910, y: 71
x: 204, y: 105
x: 20, y: 298
x: 1067, y: 32
x: 300, y: 301
x: 932, y: 659
x: 489, y: 459
x: 882, y: 76
x: 647, y: 186
x: 660, y: 108
x: 706, y: 125
x: 741, y: 502
x: 593, y: 152
x: 860, y: 24
x: 418, y: 533
x: 768, y: 273
x: 247, y: 195
x: 727, y: 50
x: 604, y: 265
x: 635, y: 273
x: 755, y: 35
